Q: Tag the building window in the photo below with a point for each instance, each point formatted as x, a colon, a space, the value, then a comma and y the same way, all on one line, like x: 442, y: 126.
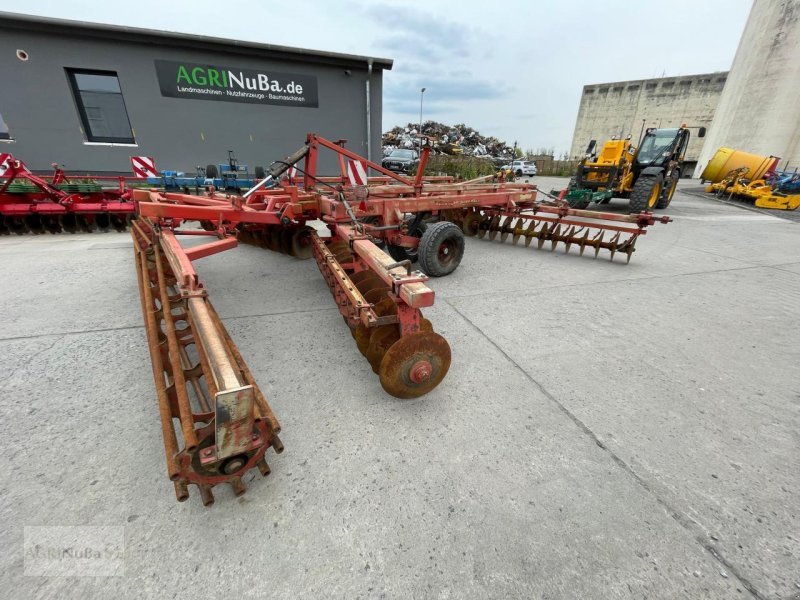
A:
x: 101, y: 106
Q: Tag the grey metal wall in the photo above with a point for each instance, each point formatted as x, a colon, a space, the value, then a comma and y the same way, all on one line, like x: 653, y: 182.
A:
x: 37, y: 104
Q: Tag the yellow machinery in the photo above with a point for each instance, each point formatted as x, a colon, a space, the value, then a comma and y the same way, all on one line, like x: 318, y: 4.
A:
x: 727, y: 160
x: 778, y: 190
x: 736, y: 173
x: 647, y: 175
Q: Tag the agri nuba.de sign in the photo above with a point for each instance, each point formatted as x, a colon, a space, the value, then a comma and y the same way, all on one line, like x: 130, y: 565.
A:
x: 229, y: 84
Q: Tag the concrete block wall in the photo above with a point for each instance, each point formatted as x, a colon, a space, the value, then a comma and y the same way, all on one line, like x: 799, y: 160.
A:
x: 621, y: 108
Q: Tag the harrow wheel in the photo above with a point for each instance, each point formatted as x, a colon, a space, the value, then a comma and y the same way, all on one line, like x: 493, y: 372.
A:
x: 414, y: 364
x: 441, y: 249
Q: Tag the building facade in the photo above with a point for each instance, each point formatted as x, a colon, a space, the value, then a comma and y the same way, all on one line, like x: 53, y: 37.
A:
x: 90, y: 96
x: 759, y: 111
x: 626, y: 107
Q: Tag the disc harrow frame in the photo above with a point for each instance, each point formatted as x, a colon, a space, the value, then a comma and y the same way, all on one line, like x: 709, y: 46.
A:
x: 379, y: 297
x: 31, y: 204
x: 205, y: 391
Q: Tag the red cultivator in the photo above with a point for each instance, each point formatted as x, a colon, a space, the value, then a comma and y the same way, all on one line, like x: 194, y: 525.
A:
x: 31, y: 204
x: 377, y: 232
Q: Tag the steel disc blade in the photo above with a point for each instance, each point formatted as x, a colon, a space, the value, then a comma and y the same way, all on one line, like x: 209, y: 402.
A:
x: 376, y: 295
x: 370, y: 284
x: 301, y: 243
x: 530, y: 232
x: 385, y: 307
x: 415, y: 364
x: 356, y: 278
x: 380, y: 341
x: 103, y: 221
x: 506, y: 228
x: 483, y: 226
x: 493, y: 227
x: 471, y: 223
x: 362, y: 334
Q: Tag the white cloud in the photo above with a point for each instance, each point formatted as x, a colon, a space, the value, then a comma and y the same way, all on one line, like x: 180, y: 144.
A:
x: 512, y: 69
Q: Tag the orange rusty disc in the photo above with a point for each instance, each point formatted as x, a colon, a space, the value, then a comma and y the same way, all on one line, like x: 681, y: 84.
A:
x: 379, y: 342
x: 387, y: 306
x: 360, y: 276
x: 376, y: 295
x: 301, y: 243
x: 415, y: 364
x: 362, y: 334
x: 365, y: 285
x: 471, y: 223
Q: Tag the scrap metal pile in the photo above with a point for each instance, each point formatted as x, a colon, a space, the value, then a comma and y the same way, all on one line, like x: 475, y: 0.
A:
x: 32, y: 204
x: 208, y: 398
x: 444, y: 139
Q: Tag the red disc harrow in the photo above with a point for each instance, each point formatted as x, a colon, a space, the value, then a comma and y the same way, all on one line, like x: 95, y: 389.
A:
x: 377, y: 232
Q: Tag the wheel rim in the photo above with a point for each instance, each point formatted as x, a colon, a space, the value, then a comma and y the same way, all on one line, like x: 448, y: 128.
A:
x: 654, y: 194
x: 672, y: 189
x: 447, y: 252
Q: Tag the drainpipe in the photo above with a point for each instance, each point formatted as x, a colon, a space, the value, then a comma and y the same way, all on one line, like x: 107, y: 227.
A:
x: 369, y: 112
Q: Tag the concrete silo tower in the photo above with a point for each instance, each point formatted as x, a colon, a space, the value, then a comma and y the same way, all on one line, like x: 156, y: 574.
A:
x: 759, y: 110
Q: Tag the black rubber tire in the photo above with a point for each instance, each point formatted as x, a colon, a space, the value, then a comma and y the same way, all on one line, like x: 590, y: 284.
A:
x: 519, y: 173
x: 642, y: 193
x: 669, y: 190
x: 400, y: 253
x: 212, y: 172
x: 441, y: 248
x: 260, y: 173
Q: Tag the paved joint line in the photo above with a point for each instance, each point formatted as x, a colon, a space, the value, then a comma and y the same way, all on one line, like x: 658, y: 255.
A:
x: 587, y: 283
x: 132, y: 327
x: 62, y: 334
x: 30, y: 358
x: 682, y: 519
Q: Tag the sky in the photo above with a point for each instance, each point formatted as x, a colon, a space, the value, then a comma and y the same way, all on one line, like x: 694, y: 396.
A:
x: 512, y: 69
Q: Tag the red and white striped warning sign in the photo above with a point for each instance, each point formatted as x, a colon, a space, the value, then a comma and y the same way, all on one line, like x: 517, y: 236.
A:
x: 5, y: 162
x: 357, y: 172
x: 143, y: 167
x: 291, y: 174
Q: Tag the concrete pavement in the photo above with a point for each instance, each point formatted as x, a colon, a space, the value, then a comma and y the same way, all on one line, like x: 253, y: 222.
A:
x: 605, y: 431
